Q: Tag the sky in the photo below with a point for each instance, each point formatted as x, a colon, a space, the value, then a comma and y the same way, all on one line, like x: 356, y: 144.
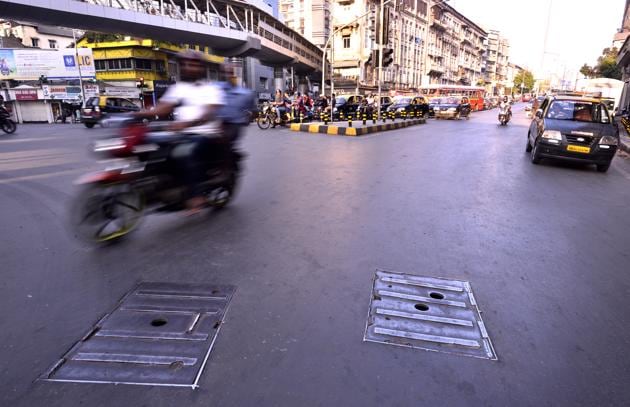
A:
x: 578, y: 29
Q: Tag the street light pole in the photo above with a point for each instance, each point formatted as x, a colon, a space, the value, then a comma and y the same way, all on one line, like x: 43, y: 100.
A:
x: 76, y: 55
x: 380, y: 59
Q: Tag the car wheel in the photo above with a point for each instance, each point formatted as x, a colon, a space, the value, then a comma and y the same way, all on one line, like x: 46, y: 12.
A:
x: 535, y: 154
x: 89, y: 125
x: 528, y: 147
x: 603, y: 167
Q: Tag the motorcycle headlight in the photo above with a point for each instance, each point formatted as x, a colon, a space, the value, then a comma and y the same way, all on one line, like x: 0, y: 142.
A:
x: 552, y: 135
x: 400, y: 109
x: 335, y: 110
x: 609, y: 140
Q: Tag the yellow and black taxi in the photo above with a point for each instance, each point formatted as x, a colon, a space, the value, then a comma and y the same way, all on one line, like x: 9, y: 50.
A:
x: 573, y: 128
x: 99, y: 107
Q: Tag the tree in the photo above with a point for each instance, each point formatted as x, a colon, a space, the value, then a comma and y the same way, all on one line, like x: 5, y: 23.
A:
x: 526, y: 78
x: 587, y: 71
x: 606, y: 66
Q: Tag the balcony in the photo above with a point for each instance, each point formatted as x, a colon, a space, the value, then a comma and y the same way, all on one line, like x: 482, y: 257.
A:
x: 439, y: 24
x: 436, y: 68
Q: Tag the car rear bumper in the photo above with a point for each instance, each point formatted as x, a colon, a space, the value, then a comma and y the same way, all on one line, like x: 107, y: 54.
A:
x: 597, y: 155
x: 445, y: 115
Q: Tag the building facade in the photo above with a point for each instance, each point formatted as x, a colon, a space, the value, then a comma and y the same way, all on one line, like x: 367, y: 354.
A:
x: 428, y: 42
x: 497, y: 63
x: 456, y: 48
x: 38, y: 36
x: 311, y: 18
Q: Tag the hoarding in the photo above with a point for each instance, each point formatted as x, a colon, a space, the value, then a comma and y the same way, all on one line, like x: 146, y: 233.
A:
x: 29, y: 64
x: 25, y: 94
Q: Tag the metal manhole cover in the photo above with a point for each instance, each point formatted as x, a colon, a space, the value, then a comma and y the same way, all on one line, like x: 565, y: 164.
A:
x: 427, y: 313
x: 159, y: 334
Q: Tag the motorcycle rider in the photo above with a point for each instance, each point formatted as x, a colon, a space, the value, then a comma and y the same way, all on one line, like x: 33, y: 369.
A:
x: 280, y: 103
x: 195, y: 104
x: 506, y: 104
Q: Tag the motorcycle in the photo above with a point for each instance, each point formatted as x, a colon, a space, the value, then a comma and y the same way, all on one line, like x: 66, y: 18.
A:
x: 139, y: 180
x: 6, y: 123
x: 268, y: 117
x: 504, y: 115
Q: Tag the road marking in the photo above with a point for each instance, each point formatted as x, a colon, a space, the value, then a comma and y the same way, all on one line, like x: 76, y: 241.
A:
x: 34, y: 163
x: 40, y: 176
x: 32, y: 153
x: 26, y: 140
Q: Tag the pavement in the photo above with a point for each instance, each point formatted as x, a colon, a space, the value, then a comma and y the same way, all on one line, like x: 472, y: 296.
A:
x: 544, y: 247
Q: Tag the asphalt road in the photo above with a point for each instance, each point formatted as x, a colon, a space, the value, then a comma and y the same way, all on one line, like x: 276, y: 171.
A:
x: 546, y: 249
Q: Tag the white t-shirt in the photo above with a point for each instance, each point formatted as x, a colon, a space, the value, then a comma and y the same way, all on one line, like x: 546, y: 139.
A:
x: 191, y: 100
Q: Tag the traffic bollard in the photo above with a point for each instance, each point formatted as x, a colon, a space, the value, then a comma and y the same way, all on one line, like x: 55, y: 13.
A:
x: 325, y: 119
x: 349, y: 119
x: 373, y: 118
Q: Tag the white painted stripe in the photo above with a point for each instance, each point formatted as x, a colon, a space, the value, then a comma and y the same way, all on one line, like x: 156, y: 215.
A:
x: 423, y: 317
x: 428, y: 338
x: 421, y: 284
x: 39, y: 176
x: 385, y: 293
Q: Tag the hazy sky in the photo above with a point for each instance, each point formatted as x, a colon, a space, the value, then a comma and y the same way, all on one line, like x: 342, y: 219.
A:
x: 578, y: 31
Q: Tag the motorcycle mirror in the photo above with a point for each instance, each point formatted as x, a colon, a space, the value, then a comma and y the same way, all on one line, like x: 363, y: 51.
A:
x: 539, y: 113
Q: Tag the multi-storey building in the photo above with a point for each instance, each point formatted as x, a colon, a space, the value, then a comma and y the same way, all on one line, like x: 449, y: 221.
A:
x: 311, y: 18
x: 497, y: 62
x: 455, y: 48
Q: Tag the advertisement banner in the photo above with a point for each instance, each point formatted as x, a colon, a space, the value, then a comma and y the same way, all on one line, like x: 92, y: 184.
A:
x: 29, y: 64
x: 61, y: 92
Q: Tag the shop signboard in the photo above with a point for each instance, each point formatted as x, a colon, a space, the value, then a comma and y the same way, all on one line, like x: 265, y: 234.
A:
x: 25, y: 94
x: 31, y: 64
x: 123, y: 92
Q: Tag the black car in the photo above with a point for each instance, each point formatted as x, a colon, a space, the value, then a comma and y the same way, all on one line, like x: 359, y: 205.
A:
x: 452, y: 107
x: 432, y: 103
x: 100, y: 107
x: 573, y: 128
x: 416, y: 105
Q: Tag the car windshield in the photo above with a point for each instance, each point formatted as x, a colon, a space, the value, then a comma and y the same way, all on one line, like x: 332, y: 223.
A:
x: 340, y: 101
x: 404, y: 101
x: 581, y: 111
x: 452, y: 101
x: 93, y: 101
x: 436, y: 101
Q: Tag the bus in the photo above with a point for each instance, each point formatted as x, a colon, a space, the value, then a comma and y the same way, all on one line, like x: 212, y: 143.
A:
x: 475, y: 94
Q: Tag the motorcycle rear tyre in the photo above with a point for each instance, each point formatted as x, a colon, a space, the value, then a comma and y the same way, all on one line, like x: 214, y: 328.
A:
x: 264, y: 122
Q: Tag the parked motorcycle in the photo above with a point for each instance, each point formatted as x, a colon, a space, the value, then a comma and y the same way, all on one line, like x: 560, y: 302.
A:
x: 504, y: 115
x: 139, y: 180
x: 6, y: 123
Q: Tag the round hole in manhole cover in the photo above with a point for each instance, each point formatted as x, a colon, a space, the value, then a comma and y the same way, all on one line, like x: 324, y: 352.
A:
x: 421, y: 307
x: 437, y: 296
x: 158, y: 322
x: 389, y: 286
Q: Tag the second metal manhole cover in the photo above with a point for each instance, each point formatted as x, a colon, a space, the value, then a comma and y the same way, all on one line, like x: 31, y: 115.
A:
x: 427, y: 313
x: 159, y: 334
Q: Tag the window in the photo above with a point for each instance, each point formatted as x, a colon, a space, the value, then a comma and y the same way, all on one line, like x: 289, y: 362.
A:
x: 263, y: 82
x: 119, y: 64
x: 143, y: 64
x: 35, y: 42
x: 346, y: 41
x: 52, y: 44
x: 159, y: 66
x: 100, y: 65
